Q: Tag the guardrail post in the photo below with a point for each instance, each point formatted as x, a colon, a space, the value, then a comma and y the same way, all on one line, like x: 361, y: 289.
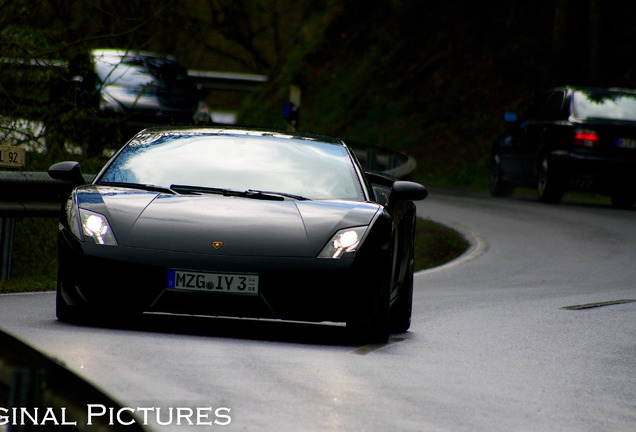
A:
x: 25, y: 392
x: 394, y: 161
x: 372, y: 159
x: 7, y: 226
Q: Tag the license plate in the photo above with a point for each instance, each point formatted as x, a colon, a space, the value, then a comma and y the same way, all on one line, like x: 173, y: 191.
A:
x: 213, y: 282
x: 626, y: 143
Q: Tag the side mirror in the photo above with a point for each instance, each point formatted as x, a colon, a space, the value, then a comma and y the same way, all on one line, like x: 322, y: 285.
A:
x: 69, y: 171
x: 408, y: 191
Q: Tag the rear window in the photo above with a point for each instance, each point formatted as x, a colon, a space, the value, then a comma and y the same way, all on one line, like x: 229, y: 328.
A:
x: 615, y: 106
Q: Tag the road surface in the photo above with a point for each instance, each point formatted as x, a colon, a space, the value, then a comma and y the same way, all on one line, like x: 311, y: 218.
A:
x: 493, y: 345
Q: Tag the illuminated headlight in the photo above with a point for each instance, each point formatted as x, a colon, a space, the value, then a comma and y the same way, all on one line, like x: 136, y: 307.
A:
x: 344, y: 241
x: 95, y: 226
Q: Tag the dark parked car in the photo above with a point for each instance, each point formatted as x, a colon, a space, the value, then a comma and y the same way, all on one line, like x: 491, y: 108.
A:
x: 571, y: 139
x: 242, y: 223
x: 126, y: 90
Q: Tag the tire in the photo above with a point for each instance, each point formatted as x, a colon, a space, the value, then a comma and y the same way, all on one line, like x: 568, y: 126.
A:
x: 549, y: 186
x: 65, y: 312
x: 91, y: 316
x: 376, y: 330
x: 496, y: 185
x: 402, y: 309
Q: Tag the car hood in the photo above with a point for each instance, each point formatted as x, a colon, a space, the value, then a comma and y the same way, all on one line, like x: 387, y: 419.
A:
x: 246, y: 227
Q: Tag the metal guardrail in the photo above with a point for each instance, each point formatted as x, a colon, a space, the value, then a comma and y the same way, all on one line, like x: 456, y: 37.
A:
x: 27, y: 194
x: 32, y: 194
x: 207, y: 79
x: 227, y: 80
x: 36, y: 194
x: 40, y: 394
x: 389, y: 162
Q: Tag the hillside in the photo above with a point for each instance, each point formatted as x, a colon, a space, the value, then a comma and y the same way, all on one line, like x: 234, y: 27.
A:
x: 429, y: 79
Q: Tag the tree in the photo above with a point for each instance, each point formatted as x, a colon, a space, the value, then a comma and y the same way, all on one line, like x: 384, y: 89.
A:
x: 592, y: 40
x: 249, y: 36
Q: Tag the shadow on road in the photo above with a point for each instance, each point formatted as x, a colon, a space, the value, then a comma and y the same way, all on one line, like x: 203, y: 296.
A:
x: 329, y: 334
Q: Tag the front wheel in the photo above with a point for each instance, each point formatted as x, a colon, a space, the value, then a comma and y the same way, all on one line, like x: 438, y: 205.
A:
x: 375, y: 330
x: 85, y: 315
x: 549, y: 187
x: 402, y: 309
x: 66, y: 313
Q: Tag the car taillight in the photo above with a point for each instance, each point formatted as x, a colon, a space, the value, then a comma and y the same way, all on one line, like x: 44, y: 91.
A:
x: 585, y: 138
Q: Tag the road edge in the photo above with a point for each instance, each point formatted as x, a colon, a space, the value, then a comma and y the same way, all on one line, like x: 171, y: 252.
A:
x: 478, y: 245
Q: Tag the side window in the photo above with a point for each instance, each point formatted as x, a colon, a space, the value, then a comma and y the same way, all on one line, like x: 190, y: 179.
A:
x: 554, y: 107
x: 537, y: 110
x: 550, y: 107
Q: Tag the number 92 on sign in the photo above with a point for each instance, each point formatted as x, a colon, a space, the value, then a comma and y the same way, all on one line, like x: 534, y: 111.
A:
x: 12, y: 157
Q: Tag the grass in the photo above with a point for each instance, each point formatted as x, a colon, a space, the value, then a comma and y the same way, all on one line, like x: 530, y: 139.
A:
x: 34, y: 263
x: 436, y: 244
x: 34, y: 259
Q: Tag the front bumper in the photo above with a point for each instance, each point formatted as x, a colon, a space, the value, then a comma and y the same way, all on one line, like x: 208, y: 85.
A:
x: 116, y: 279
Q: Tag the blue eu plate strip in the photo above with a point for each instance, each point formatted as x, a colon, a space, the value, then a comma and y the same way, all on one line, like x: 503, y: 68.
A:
x: 171, y: 279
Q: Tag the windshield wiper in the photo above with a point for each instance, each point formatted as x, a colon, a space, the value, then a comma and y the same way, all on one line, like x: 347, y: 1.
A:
x: 281, y: 194
x: 146, y: 187
x: 250, y: 193
x: 201, y: 189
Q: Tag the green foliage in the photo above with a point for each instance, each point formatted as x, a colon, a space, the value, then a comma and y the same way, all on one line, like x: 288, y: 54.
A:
x: 34, y: 259
x: 388, y: 80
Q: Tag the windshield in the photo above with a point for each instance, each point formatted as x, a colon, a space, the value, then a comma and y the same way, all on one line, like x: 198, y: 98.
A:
x: 616, y: 106
x: 306, y: 168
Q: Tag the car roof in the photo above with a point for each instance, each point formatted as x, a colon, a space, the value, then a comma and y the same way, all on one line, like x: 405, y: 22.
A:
x: 235, y: 130
x: 595, y: 89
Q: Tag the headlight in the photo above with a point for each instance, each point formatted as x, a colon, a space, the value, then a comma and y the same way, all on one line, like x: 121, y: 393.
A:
x: 95, y: 226
x: 344, y: 241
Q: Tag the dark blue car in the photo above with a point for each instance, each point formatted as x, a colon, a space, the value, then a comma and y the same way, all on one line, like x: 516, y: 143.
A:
x: 571, y: 139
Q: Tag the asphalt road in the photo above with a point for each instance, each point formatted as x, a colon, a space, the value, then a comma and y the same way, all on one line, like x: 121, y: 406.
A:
x: 491, y: 347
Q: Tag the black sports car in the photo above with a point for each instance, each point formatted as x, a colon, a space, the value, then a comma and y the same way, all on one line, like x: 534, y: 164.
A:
x: 573, y: 138
x: 241, y: 223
